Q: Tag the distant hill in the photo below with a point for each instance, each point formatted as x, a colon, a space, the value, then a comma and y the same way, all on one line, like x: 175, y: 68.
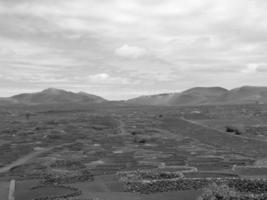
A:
x: 158, y: 99
x: 243, y: 95
x: 200, y: 95
x: 53, y: 96
x: 206, y: 95
x: 190, y: 97
x: 193, y: 96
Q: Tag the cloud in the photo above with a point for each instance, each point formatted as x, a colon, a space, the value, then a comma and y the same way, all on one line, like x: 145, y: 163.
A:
x: 4, y: 51
x: 104, y: 78
x: 251, y: 68
x: 130, y: 51
x: 101, y: 77
x: 132, y: 45
x: 33, y: 77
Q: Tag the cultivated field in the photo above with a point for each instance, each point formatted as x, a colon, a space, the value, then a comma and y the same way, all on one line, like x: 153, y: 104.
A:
x: 81, y: 152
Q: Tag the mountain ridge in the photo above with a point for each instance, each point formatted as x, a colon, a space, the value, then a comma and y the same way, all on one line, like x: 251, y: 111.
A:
x: 205, y: 96
x: 189, y: 97
x: 53, y: 96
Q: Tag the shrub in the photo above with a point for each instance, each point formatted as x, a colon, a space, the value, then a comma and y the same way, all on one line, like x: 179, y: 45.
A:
x: 229, y: 129
x: 140, y: 140
x: 233, y: 130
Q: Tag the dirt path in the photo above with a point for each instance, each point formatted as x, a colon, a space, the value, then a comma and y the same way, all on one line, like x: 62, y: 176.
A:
x: 206, y: 135
x: 23, y: 159
x: 218, y: 130
x: 28, y: 157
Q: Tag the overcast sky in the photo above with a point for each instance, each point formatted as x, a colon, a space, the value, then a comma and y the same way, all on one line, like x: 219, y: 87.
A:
x: 120, y: 49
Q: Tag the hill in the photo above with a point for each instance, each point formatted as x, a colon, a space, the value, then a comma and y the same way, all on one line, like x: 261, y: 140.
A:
x: 193, y: 96
x: 200, y: 95
x: 243, y: 95
x: 158, y: 99
x: 54, y: 96
x: 190, y: 97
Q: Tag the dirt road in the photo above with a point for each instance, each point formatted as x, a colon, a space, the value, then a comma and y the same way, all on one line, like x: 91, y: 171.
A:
x: 28, y: 157
x: 206, y: 135
x: 24, y: 159
x: 218, y: 130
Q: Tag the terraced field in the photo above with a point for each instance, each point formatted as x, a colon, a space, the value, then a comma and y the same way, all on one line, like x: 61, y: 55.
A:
x: 75, y: 142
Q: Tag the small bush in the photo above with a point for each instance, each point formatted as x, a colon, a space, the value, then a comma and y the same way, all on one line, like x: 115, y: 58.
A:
x: 233, y: 130
x: 229, y: 129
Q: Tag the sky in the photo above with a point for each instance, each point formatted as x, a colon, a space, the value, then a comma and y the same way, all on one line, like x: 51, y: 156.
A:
x: 120, y: 49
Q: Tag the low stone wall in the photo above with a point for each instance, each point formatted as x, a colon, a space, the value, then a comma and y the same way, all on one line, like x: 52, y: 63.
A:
x: 246, y: 185
x: 242, y: 185
x: 241, y: 197
x: 165, y: 185
x: 157, y: 174
x: 75, y: 192
x: 226, y: 192
x: 53, y: 178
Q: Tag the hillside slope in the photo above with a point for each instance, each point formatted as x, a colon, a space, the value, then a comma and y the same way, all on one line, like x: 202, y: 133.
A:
x: 243, y: 95
x: 193, y: 96
x: 158, y: 99
x: 52, y: 95
x: 205, y: 135
x: 200, y: 95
